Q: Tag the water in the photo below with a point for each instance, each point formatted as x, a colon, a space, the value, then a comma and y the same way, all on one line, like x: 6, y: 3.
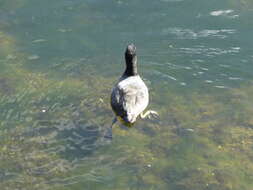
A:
x: 59, y: 61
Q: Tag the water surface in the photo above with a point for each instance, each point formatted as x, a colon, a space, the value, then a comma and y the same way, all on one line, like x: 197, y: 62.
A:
x: 59, y: 61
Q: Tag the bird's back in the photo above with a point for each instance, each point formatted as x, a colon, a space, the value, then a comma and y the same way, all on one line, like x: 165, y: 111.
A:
x: 129, y: 98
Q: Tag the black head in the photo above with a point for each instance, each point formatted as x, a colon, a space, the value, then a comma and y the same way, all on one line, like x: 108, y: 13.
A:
x: 131, y: 60
x: 130, y: 50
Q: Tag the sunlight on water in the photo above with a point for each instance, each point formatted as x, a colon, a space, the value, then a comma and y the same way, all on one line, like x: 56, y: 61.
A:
x: 59, y: 61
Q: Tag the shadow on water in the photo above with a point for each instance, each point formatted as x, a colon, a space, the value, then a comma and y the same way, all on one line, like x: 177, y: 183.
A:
x: 72, y: 139
x: 80, y: 139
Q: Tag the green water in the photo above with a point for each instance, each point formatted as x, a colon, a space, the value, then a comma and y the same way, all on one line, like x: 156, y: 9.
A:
x: 59, y: 61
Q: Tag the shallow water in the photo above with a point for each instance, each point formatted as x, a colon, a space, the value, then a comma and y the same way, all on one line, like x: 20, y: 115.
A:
x: 59, y: 61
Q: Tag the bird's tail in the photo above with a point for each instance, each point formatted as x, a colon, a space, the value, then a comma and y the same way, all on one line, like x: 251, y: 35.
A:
x: 129, y: 118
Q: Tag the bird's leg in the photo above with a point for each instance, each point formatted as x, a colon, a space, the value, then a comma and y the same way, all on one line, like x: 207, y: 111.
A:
x: 114, y: 121
x: 149, y: 114
x: 108, y: 133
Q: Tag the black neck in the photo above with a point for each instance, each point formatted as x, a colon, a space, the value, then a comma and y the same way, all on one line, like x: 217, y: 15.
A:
x: 131, y: 66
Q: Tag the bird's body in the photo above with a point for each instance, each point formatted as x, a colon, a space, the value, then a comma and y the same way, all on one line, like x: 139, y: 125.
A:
x: 130, y: 96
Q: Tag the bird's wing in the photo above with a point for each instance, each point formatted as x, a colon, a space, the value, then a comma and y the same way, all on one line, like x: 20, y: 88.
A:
x: 117, y: 101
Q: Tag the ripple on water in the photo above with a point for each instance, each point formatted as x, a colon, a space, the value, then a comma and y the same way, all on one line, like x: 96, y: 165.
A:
x: 164, y: 75
x: 80, y: 138
x: 220, y: 86
x: 227, y: 13
x: 174, y: 66
x: 207, y: 51
x: 208, y: 81
x: 182, y: 33
x: 235, y: 78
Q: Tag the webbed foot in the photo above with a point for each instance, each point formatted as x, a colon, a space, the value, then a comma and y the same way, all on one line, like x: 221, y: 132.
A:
x: 150, y: 114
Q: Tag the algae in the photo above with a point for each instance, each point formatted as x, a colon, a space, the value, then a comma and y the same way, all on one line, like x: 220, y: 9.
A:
x: 54, y: 102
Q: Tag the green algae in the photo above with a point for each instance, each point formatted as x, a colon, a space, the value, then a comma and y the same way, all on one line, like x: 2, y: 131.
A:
x: 25, y: 109
x: 7, y: 44
x: 53, y: 116
x: 201, y: 141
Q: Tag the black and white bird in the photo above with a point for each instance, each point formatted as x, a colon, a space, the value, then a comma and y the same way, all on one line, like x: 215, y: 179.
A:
x: 130, y: 97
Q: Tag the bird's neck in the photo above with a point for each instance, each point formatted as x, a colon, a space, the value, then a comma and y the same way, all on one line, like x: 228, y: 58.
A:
x: 131, y: 67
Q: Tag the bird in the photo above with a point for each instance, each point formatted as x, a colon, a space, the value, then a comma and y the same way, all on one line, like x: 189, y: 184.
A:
x: 130, y: 96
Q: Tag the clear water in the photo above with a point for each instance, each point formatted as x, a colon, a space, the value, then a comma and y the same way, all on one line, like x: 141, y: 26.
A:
x: 59, y: 61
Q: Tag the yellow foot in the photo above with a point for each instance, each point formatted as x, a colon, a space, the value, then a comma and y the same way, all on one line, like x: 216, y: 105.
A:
x: 150, y: 114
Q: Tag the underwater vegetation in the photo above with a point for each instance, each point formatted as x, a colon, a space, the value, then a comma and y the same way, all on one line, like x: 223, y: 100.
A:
x: 51, y: 136
x: 54, y: 102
